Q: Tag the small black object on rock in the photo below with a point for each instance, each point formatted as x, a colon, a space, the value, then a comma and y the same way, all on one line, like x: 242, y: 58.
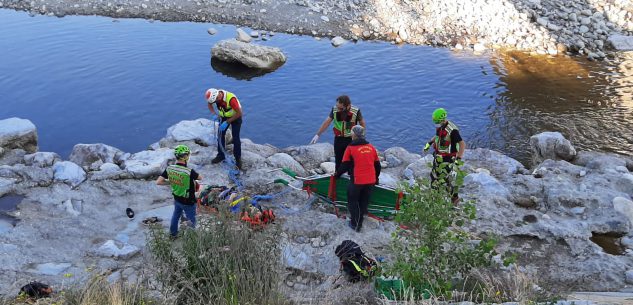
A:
x: 129, y: 212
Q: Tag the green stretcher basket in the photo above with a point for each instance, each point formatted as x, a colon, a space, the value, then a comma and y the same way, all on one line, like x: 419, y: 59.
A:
x: 384, y: 201
x: 395, y: 288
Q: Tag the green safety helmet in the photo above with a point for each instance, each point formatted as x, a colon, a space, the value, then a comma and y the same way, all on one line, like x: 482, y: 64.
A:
x: 439, y: 115
x: 181, y: 150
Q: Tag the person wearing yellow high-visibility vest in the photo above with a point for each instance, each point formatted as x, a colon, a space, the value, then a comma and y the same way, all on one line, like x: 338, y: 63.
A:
x: 448, y: 147
x: 345, y: 116
x: 182, y: 180
x: 230, y: 113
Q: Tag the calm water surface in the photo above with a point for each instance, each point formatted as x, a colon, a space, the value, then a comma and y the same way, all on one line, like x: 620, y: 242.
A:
x: 124, y: 82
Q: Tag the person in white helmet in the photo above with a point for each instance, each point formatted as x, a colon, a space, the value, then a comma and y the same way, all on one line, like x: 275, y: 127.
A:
x: 230, y: 113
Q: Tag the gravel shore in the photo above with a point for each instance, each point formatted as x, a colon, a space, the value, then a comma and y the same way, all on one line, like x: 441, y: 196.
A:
x: 541, y: 26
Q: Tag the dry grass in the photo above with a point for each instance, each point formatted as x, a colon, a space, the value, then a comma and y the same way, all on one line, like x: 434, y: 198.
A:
x: 96, y: 292
x: 223, y: 261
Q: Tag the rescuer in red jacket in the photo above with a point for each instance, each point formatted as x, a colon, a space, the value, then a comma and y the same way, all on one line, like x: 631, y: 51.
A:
x: 362, y: 158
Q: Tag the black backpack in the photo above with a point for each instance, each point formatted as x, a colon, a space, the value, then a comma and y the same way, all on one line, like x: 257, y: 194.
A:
x: 354, y: 262
x: 36, y: 290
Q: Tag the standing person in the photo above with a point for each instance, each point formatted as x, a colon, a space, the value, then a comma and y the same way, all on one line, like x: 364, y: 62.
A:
x: 344, y: 116
x: 230, y: 111
x: 361, y: 158
x: 182, y: 180
x: 448, y: 147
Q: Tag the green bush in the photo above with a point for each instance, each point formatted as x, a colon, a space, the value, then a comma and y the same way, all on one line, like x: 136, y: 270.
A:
x: 221, y: 262
x: 433, y: 252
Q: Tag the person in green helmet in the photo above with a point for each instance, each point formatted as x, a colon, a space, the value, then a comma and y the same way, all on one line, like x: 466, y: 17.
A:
x: 448, y: 147
x: 183, y: 186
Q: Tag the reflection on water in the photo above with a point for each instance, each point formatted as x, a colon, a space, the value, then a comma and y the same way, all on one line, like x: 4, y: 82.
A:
x: 236, y: 70
x: 576, y: 97
x: 623, y: 80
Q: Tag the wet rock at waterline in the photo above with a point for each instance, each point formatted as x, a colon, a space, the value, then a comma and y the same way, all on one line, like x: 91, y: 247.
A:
x: 18, y: 133
x: 566, y: 221
x: 250, y: 55
x: 551, y: 145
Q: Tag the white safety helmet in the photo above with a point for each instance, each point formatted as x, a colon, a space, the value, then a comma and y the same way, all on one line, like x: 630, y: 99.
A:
x: 211, y: 95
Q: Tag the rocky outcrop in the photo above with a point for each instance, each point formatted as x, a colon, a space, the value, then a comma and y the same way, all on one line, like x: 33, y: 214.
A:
x: 92, y: 156
x: 69, y: 172
x: 148, y: 164
x: 282, y: 160
x: 200, y: 131
x: 41, y: 159
x: 548, y: 215
x: 16, y: 133
x: 250, y: 55
x: 311, y: 156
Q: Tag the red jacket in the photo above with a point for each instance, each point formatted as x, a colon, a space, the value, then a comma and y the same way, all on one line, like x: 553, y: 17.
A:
x: 362, y: 157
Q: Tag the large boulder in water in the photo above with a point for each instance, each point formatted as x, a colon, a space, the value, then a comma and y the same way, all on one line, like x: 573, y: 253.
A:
x: 551, y: 145
x: 251, y: 55
x: 18, y: 133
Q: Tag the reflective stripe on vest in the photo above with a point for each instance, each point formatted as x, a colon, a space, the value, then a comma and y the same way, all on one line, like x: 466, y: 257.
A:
x: 443, y: 145
x: 227, y: 112
x: 344, y: 128
x: 360, y: 270
x: 179, y: 178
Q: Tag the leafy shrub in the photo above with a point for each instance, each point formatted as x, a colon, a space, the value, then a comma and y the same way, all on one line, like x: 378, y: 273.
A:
x: 434, y: 252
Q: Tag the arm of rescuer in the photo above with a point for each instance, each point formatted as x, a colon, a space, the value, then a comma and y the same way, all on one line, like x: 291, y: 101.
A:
x: 324, y: 126
x: 164, y: 180
x: 348, y: 163
x: 210, y: 106
x: 377, y: 166
x: 457, y: 138
x: 361, y: 120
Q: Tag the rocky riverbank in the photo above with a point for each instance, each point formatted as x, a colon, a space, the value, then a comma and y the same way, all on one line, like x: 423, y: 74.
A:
x: 591, y: 28
x: 71, y: 222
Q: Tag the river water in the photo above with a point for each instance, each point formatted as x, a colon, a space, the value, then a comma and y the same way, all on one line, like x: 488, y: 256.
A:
x: 124, y: 82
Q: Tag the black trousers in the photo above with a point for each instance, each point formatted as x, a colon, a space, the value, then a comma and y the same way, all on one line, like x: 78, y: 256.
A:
x: 237, y: 143
x: 358, y: 202
x: 340, y: 144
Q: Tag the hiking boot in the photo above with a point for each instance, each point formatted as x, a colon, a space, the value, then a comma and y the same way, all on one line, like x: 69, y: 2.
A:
x: 455, y: 200
x: 217, y: 159
x: 238, y: 163
x: 349, y: 224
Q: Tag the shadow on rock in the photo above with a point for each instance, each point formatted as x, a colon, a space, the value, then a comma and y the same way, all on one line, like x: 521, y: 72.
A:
x: 237, y: 70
